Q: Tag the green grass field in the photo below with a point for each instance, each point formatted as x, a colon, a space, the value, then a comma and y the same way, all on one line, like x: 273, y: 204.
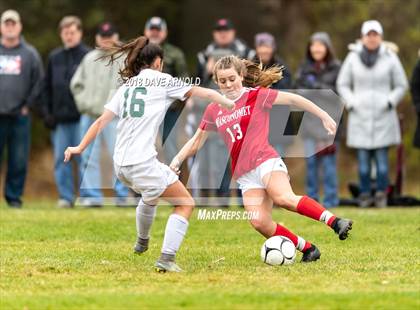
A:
x: 82, y: 259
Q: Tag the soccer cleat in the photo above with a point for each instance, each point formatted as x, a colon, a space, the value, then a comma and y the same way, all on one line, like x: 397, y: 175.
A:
x: 141, y: 246
x: 342, y: 227
x: 164, y: 266
x: 310, y: 255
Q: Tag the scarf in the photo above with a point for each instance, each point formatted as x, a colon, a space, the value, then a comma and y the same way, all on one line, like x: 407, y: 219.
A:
x: 368, y: 57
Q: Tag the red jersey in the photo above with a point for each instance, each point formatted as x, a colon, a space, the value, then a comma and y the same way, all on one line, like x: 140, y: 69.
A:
x: 244, y: 129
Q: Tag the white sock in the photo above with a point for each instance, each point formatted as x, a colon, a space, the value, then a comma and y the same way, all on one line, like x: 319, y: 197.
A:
x: 326, y: 216
x: 176, y: 228
x: 145, y: 215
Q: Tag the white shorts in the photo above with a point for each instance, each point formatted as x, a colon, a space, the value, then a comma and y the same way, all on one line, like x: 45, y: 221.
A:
x: 254, y: 178
x: 150, y: 179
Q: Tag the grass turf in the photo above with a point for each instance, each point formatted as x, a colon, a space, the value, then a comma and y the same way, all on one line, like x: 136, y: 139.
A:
x: 82, y: 259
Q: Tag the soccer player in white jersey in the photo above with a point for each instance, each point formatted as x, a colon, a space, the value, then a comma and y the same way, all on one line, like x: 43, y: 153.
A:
x: 141, y: 103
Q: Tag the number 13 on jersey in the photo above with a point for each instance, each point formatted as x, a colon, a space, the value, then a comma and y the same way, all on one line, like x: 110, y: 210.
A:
x: 236, y: 134
x: 136, y: 108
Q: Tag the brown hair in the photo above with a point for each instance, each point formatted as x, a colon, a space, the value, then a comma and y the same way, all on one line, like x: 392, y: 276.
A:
x: 67, y: 21
x: 253, y: 73
x: 139, y: 54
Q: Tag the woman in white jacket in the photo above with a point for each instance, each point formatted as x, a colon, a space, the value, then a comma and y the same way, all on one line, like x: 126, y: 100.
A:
x: 372, y: 82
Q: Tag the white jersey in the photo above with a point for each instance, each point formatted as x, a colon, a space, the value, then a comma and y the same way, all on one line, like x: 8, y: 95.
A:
x: 141, y: 104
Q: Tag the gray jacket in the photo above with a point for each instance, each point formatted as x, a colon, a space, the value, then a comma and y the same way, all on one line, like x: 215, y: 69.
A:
x: 371, y: 96
x: 94, y: 83
x: 20, y: 77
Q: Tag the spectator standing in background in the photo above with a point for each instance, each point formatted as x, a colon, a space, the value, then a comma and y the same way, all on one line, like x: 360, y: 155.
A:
x: 265, y: 47
x: 224, y: 43
x: 415, y: 94
x: 20, y: 83
x: 174, y: 63
x: 319, y: 71
x: 93, y: 85
x: 207, y: 176
x: 372, y: 82
x: 61, y: 114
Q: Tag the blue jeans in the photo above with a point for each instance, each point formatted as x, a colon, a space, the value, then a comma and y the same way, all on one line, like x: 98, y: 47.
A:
x: 15, y: 134
x: 316, y: 166
x: 365, y: 158
x: 91, y: 185
x: 64, y: 135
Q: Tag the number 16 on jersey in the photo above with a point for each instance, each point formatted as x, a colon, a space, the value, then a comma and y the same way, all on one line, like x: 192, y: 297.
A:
x: 136, y: 108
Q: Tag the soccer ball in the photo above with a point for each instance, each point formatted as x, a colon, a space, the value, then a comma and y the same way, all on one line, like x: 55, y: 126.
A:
x: 278, y: 250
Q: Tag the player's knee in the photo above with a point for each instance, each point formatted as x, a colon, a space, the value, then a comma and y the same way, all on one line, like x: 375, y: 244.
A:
x: 185, y: 207
x: 190, y: 203
x: 186, y: 211
x: 287, y: 200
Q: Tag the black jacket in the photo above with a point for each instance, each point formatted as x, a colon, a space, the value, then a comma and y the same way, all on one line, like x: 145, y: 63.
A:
x: 59, y: 105
x: 415, y: 94
x: 312, y: 75
x: 415, y: 86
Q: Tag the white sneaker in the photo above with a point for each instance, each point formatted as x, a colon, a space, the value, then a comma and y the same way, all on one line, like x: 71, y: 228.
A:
x: 64, y: 204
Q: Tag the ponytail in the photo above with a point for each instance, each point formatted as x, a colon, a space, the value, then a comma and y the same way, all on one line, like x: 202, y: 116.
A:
x: 253, y: 73
x: 140, y: 54
x: 257, y: 76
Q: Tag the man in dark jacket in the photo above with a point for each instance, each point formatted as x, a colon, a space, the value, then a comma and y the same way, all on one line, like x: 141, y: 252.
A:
x: 415, y: 94
x: 224, y: 43
x: 61, y: 113
x: 319, y: 71
x: 20, y: 79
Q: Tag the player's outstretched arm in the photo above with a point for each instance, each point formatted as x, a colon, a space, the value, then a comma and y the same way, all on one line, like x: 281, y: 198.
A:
x: 211, y: 95
x: 307, y: 105
x: 189, y: 149
x: 91, y: 134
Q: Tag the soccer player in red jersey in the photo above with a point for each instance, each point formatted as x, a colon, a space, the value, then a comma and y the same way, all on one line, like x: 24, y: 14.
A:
x: 257, y: 167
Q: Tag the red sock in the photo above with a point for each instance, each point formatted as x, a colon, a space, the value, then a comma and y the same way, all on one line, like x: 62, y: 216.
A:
x: 310, y: 208
x: 300, y: 243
